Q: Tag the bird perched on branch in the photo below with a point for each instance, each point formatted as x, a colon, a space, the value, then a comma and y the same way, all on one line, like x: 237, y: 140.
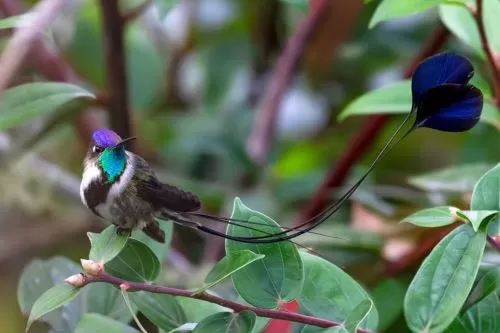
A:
x: 122, y: 188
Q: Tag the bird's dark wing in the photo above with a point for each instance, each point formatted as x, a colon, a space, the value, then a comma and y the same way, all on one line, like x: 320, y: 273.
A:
x: 161, y: 195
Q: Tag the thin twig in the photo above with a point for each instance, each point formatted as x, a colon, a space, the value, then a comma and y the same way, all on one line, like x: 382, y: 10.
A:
x: 237, y: 307
x: 114, y: 48
x: 30, y: 29
x: 495, y: 70
x: 493, y: 242
x: 260, y: 140
x: 366, y: 137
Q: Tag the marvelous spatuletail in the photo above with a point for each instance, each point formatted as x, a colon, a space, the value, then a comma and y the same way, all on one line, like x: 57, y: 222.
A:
x: 121, y: 187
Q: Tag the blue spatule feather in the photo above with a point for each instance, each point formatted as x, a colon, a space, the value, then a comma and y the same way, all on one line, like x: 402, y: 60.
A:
x: 442, y: 99
x: 450, y: 108
x: 446, y: 67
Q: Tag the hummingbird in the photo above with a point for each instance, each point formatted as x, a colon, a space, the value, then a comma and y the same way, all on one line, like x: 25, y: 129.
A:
x: 121, y: 187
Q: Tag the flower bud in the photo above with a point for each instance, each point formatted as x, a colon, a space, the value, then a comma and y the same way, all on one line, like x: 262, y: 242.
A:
x: 91, y: 267
x: 77, y: 280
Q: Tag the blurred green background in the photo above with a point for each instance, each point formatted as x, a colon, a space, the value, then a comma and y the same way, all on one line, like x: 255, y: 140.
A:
x: 197, y: 70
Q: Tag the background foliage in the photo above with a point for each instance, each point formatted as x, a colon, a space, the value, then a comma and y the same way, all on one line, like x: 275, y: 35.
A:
x: 199, y: 73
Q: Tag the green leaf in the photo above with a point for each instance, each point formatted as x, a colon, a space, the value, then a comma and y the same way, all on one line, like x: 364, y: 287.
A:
x: 105, y: 299
x: 160, y: 249
x: 14, y: 21
x: 41, y: 275
x: 196, y: 310
x: 331, y: 293
x: 487, y: 285
x: 391, y: 307
x: 486, y: 194
x: 357, y: 315
x: 31, y: 100
x: 303, y: 5
x: 477, y: 217
x: 241, y: 322
x: 433, y: 217
x: 459, y: 20
x: 136, y: 262
x: 106, y: 245
x: 229, y: 265
x: 162, y: 310
x: 394, y: 98
x: 93, y: 322
x: 441, y: 285
x: 491, y: 13
x: 276, y: 278
x: 480, y: 317
x: 52, y: 299
x: 389, y: 9
x: 460, y: 178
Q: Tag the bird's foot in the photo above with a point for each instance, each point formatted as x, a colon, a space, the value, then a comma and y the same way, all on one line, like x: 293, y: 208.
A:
x: 123, y: 232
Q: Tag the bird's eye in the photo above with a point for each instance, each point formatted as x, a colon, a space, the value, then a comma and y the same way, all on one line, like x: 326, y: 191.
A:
x: 97, y: 149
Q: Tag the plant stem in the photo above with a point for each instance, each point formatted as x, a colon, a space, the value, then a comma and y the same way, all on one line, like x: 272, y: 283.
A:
x: 495, y: 70
x: 237, y: 307
x: 261, y: 138
x: 114, y: 47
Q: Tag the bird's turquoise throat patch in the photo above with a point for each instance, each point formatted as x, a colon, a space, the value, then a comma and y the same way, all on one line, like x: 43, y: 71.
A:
x: 113, y: 162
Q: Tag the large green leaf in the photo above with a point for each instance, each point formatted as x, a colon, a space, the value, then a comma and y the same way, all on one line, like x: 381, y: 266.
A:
x: 25, y: 102
x: 482, y: 317
x: 162, y: 310
x: 332, y: 294
x: 241, y: 322
x: 93, y: 322
x: 276, y: 278
x: 228, y: 265
x: 486, y: 196
x: 459, y: 20
x: 491, y: 13
x: 160, y: 249
x: 391, y: 307
x: 52, y: 299
x: 196, y: 310
x: 394, y: 98
x: 461, y: 178
x: 433, y: 217
x: 487, y: 285
x: 106, y: 245
x: 136, y: 262
x: 389, y: 9
x: 442, y: 284
x: 105, y: 299
x: 41, y: 275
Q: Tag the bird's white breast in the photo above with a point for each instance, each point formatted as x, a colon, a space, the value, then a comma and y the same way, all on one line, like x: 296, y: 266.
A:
x: 92, y: 172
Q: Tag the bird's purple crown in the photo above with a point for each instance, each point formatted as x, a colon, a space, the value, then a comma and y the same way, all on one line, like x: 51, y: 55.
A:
x: 105, y: 137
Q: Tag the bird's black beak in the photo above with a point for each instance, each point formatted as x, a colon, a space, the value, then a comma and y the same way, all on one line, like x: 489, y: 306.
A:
x: 124, y: 141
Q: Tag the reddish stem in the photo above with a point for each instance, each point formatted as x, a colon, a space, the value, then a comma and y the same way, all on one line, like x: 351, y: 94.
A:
x: 237, y: 307
x: 261, y: 138
x: 495, y: 70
